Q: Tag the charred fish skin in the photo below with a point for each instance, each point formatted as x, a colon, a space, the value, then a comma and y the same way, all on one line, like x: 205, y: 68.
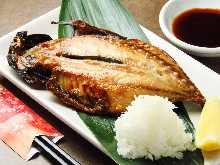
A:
x: 16, y: 49
x: 82, y: 28
x: 20, y: 44
x: 23, y: 42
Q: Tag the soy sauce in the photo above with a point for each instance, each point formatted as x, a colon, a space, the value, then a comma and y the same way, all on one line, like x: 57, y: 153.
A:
x: 200, y: 27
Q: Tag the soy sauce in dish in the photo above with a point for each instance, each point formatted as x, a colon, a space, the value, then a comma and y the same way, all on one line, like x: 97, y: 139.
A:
x: 200, y: 27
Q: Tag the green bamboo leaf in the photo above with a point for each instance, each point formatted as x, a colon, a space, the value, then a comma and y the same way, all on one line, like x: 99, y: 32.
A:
x: 110, y: 14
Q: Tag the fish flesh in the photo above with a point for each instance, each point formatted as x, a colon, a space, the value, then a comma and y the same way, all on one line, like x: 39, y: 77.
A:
x: 103, y: 73
x: 101, y: 87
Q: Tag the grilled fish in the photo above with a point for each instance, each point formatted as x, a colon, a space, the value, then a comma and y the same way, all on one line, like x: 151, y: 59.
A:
x: 93, y: 73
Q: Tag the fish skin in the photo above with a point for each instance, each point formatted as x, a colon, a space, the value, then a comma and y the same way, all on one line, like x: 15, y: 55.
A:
x: 83, y: 28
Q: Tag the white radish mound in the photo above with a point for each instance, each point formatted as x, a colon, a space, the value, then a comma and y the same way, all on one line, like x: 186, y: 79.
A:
x: 151, y: 129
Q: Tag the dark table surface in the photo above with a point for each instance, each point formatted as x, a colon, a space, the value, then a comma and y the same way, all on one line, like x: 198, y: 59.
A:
x: 14, y: 13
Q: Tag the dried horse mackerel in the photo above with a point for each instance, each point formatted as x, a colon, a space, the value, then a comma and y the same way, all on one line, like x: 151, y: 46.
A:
x: 102, y: 73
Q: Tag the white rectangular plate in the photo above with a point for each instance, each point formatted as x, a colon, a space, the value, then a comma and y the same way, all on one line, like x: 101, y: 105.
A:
x: 205, y: 79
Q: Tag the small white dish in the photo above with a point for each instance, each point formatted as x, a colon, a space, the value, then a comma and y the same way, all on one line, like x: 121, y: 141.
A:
x: 175, y: 7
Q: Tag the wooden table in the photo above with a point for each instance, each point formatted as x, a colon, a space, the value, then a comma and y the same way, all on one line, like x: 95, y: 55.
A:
x: 14, y: 13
